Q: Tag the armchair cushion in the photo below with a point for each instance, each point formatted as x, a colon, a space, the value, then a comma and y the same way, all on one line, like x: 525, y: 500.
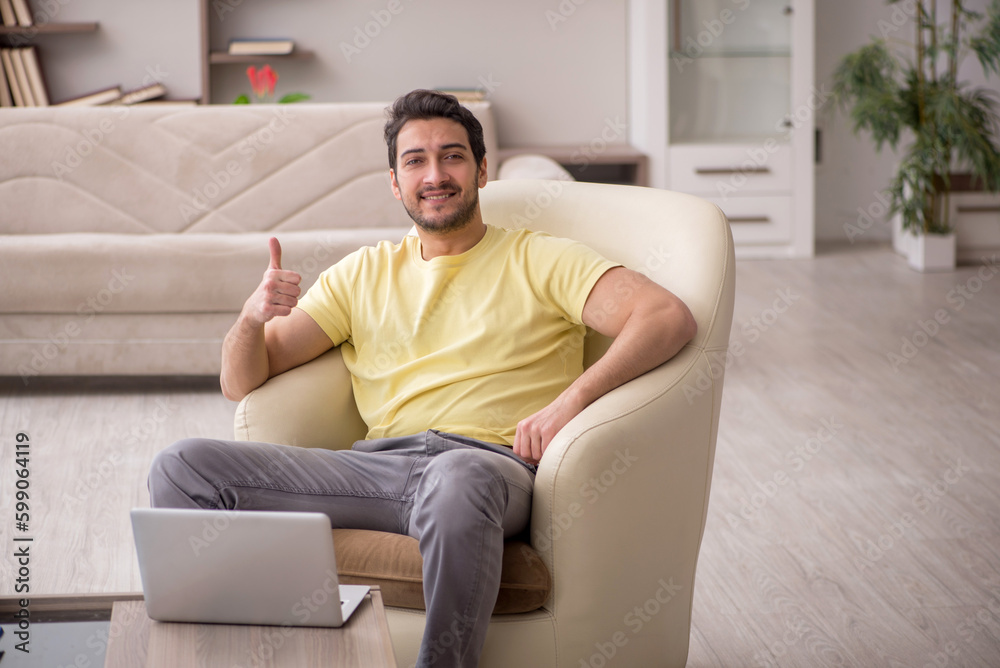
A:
x: 393, y: 562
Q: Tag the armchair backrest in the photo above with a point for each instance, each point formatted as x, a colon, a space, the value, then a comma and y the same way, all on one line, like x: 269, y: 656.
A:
x: 680, y: 241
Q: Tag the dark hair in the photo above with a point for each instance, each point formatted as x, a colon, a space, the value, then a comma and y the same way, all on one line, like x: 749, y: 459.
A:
x: 425, y: 104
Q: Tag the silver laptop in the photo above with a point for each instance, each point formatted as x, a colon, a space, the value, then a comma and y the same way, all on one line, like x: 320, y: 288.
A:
x: 241, y: 567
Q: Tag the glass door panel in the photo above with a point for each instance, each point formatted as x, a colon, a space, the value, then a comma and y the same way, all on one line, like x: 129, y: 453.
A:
x: 730, y: 70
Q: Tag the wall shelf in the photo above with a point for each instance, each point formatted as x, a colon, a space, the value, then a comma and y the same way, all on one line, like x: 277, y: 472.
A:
x: 48, y: 29
x: 613, y: 163
x: 223, y: 58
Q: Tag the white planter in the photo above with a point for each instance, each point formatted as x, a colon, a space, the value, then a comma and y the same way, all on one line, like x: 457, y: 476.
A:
x: 902, y: 241
x: 932, y: 252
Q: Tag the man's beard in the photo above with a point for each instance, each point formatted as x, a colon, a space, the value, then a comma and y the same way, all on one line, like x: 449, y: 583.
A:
x: 455, y: 221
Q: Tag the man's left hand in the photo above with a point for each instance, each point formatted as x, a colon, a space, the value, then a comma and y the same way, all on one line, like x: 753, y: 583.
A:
x: 535, y: 432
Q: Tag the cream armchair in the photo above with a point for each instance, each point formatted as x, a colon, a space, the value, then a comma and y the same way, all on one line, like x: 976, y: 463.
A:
x: 621, y: 495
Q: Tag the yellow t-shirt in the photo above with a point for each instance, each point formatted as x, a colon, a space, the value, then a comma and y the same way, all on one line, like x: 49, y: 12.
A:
x: 468, y: 344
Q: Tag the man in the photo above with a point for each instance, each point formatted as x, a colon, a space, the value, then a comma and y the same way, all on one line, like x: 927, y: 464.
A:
x: 465, y: 347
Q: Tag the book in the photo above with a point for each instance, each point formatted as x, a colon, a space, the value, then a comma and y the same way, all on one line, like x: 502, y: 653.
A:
x: 465, y: 94
x: 93, y: 99
x: 170, y: 103
x: 6, y: 100
x: 7, y: 13
x: 35, y: 79
x: 261, y: 47
x: 22, y: 78
x: 23, y: 12
x: 141, y: 94
x: 8, y: 67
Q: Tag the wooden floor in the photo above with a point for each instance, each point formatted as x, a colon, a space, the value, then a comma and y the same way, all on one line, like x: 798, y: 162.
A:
x: 855, y: 514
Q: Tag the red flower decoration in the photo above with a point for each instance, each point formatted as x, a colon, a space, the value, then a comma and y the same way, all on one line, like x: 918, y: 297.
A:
x: 262, y: 81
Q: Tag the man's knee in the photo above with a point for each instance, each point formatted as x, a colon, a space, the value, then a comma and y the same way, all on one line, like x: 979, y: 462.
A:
x: 171, y: 464
x: 182, y: 453
x: 462, y: 479
x: 466, y: 469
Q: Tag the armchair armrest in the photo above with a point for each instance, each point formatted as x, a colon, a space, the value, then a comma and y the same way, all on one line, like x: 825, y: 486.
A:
x: 311, y: 406
x: 620, y: 501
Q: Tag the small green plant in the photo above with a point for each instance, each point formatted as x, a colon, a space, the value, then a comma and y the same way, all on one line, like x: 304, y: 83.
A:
x: 914, y: 87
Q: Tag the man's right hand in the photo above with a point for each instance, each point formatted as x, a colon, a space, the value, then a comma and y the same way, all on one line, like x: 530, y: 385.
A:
x: 277, y: 293
x: 252, y: 353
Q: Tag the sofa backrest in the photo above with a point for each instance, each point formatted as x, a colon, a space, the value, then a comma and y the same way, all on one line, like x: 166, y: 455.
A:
x: 218, y: 168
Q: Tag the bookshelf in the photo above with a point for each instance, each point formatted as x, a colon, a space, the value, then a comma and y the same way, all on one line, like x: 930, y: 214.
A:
x: 223, y: 58
x: 210, y: 58
x: 48, y: 29
x: 18, y: 44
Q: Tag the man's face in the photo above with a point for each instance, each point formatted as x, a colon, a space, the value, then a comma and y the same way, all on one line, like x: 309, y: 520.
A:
x: 436, y: 177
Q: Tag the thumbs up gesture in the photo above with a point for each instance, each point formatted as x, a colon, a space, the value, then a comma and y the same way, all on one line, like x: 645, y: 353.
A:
x: 277, y: 293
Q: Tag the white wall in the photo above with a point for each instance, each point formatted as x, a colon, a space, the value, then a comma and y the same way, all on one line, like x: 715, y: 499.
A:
x: 851, y: 173
x: 556, y: 69
x: 556, y: 77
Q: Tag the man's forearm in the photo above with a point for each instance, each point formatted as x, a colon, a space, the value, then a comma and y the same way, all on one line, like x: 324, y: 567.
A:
x: 646, y: 340
x: 644, y: 343
x: 244, y: 359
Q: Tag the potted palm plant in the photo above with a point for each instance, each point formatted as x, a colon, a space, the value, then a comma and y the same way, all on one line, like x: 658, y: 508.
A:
x: 900, y: 91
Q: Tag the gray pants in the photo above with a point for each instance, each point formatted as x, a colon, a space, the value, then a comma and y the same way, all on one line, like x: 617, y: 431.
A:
x: 458, y: 496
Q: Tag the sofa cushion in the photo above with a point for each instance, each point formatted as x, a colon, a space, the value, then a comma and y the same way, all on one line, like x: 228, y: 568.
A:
x: 393, y: 562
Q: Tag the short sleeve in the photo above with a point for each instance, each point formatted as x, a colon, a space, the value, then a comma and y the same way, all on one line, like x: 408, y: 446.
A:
x: 564, y: 272
x: 330, y: 299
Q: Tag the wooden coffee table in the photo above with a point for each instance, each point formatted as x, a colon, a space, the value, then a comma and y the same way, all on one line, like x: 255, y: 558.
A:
x: 136, y: 640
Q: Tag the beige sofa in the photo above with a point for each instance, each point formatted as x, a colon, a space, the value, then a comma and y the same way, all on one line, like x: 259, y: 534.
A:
x: 131, y: 236
x: 621, y: 495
